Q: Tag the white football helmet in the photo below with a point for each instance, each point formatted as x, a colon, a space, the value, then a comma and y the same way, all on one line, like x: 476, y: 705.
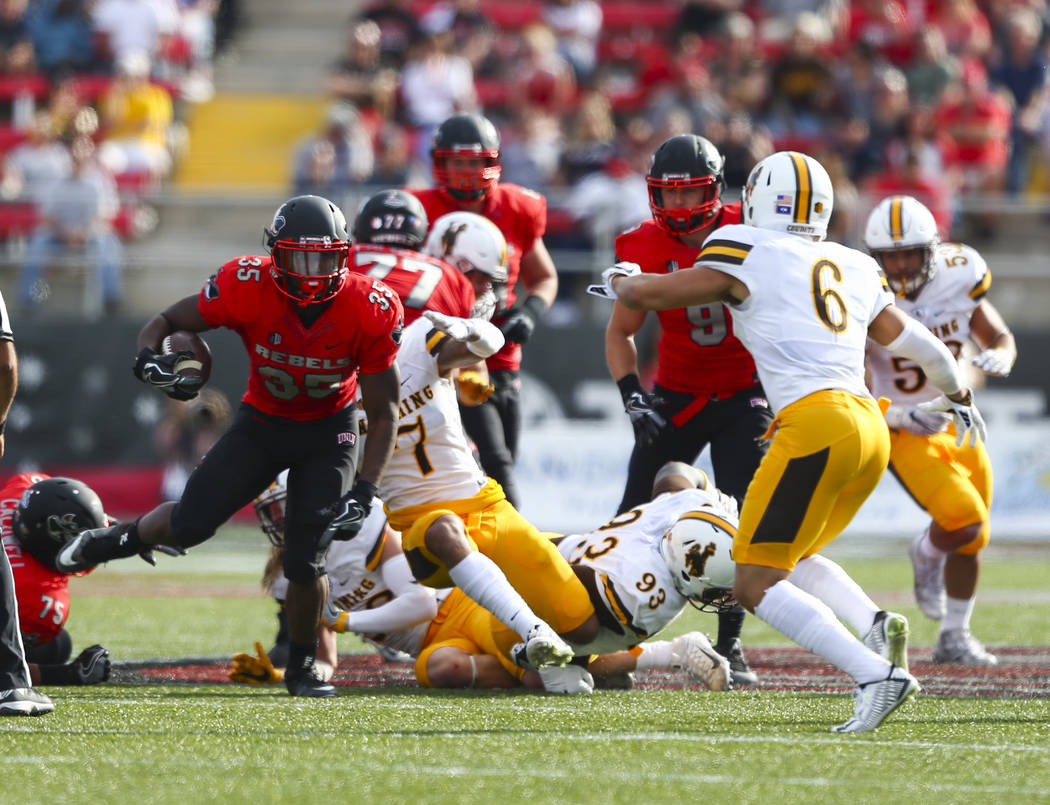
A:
x: 903, y: 223
x: 698, y: 551
x: 269, y: 508
x: 789, y: 192
x: 471, y: 242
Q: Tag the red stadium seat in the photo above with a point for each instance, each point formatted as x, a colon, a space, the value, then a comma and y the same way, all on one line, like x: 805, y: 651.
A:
x: 12, y: 85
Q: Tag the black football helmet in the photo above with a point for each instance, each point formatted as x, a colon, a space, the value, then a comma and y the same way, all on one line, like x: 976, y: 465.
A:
x: 52, y: 512
x: 392, y: 218
x: 309, y: 244
x: 686, y: 161
x: 466, y: 136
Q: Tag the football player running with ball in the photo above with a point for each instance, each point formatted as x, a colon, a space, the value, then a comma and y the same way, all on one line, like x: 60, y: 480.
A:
x: 944, y: 287
x: 315, y: 334
x: 706, y: 391
x: 804, y: 308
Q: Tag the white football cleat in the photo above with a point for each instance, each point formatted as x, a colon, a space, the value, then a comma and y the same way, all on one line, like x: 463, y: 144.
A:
x: 960, y: 647
x: 929, y: 581
x: 543, y: 647
x: 888, y: 637
x: 694, y: 654
x: 876, y: 700
x: 569, y: 679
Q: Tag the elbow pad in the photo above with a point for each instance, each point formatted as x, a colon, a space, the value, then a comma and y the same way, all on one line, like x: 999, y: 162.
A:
x: 920, y: 345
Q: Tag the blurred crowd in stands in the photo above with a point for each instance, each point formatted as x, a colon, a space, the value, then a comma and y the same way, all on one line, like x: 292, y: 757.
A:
x: 943, y: 99
x: 90, y: 93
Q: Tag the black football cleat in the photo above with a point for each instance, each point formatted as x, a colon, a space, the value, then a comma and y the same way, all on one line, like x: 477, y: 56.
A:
x: 309, y: 684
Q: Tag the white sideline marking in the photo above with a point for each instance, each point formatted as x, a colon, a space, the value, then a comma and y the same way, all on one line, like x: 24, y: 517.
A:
x: 721, y: 779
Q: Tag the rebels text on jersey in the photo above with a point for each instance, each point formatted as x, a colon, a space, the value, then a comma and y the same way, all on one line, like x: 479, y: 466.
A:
x: 698, y: 352
x: 423, y: 282
x: 298, y: 372
x: 42, y: 593
x: 521, y: 215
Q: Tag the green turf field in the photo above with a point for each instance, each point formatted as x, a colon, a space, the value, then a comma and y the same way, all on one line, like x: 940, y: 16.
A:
x: 231, y: 744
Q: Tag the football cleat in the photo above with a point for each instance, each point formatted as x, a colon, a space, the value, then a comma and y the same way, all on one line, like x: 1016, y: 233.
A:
x: 740, y: 673
x: 92, y: 665
x: 888, y: 637
x: 541, y: 648
x: 24, y: 702
x: 694, y: 654
x: 960, y: 647
x: 309, y: 684
x: 89, y: 548
x: 876, y: 700
x: 929, y: 581
x: 569, y: 679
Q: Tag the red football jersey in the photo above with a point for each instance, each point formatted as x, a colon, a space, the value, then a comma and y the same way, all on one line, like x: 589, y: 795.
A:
x: 423, y: 282
x: 42, y: 593
x: 521, y: 215
x: 698, y: 352
x: 298, y: 372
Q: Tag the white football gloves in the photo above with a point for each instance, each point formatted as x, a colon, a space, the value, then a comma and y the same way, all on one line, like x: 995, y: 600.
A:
x: 997, y: 362
x: 914, y: 420
x: 622, y: 269
x: 455, y: 328
x: 967, y: 418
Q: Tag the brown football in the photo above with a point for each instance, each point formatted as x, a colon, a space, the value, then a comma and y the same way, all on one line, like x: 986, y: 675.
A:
x: 185, y: 341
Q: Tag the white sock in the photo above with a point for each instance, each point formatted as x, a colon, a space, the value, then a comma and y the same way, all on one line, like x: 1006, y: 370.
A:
x: 957, y: 612
x: 811, y: 623
x: 823, y: 579
x: 484, y: 583
x: 655, y: 654
x: 928, y: 549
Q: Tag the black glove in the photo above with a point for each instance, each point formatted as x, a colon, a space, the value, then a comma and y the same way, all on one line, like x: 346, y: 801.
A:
x: 349, y: 513
x: 158, y: 369
x: 521, y: 320
x: 641, y: 406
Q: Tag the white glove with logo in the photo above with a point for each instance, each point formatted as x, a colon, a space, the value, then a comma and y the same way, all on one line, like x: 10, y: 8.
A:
x: 997, y: 362
x: 914, y: 420
x: 622, y: 269
x: 967, y: 418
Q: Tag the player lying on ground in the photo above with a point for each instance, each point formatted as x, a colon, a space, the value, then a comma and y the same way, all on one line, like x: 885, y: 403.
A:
x: 458, y: 644
x: 38, y: 515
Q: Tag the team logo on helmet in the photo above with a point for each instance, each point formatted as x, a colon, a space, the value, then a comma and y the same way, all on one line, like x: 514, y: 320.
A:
x: 62, y: 527
x: 448, y: 237
x: 278, y: 224
x: 696, y: 558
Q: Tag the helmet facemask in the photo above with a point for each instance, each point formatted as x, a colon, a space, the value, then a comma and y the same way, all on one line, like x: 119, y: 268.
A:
x: 684, y: 220
x: 906, y: 284
x: 471, y: 176
x: 310, y: 271
x: 269, y: 508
